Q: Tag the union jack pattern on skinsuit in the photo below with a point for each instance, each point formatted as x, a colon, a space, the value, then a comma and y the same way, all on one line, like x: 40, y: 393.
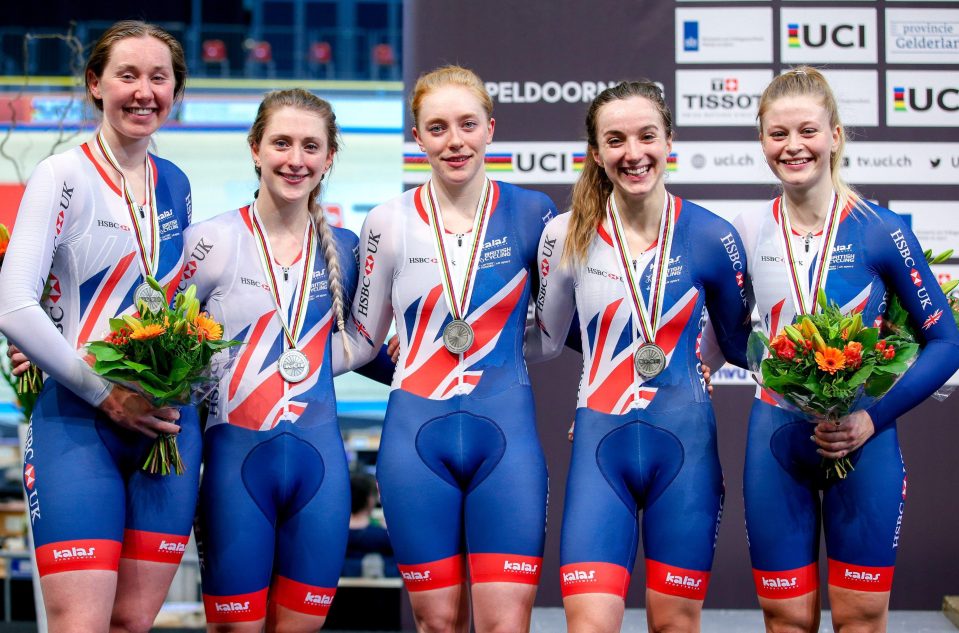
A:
x: 235, y: 290
x: 84, y: 253
x: 401, y: 278
x: 875, y: 256
x: 610, y: 383
x: 429, y: 367
x: 871, y: 259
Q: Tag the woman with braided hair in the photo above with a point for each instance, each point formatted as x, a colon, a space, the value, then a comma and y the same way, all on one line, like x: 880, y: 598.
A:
x: 275, y: 498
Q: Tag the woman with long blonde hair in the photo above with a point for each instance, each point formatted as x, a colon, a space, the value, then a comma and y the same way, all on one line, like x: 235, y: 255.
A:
x: 821, y: 234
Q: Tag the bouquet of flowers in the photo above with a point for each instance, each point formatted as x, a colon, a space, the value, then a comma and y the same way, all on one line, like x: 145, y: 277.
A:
x: 168, y: 356
x: 27, y: 387
x: 828, y: 365
x: 896, y: 320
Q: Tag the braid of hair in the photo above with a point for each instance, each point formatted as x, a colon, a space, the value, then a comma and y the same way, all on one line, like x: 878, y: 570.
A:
x: 334, y: 272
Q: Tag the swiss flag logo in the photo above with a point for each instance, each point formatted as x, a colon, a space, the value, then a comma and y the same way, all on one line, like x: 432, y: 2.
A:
x: 732, y: 84
x: 29, y: 476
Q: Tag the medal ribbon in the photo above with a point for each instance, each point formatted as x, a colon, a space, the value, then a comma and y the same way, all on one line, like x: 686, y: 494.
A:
x: 805, y: 296
x: 149, y: 255
x: 647, y: 320
x: 302, y: 292
x: 458, y: 308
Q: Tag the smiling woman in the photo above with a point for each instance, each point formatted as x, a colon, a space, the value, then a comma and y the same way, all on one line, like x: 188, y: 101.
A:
x: 89, y: 220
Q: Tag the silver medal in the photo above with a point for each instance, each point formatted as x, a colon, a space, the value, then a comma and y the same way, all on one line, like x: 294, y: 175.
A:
x: 153, y: 298
x: 294, y: 366
x: 458, y: 336
x: 650, y: 360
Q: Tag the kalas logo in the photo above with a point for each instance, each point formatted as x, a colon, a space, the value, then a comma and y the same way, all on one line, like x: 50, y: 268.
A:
x: 74, y: 553
x: 523, y: 568
x: 819, y: 35
x: 318, y: 599
x: 232, y: 607
x: 176, y: 548
x: 780, y: 583
x: 416, y: 575
x: 579, y: 576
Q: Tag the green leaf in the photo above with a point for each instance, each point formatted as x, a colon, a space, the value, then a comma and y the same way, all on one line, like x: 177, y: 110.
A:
x: 879, y: 384
x: 861, y: 375
x: 104, y: 351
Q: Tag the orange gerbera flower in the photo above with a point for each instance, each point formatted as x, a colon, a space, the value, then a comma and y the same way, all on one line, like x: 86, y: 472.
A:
x: 207, y: 328
x: 145, y: 332
x: 831, y: 360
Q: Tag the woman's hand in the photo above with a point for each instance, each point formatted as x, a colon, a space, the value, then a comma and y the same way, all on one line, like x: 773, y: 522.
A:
x: 837, y: 440
x: 19, y: 363
x: 706, y: 376
x: 569, y: 433
x: 133, y: 412
x: 393, y: 348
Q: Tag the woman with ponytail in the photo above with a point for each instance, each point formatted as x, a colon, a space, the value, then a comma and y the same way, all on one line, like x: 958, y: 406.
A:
x: 869, y: 252
x: 461, y: 473
x: 642, y: 267
x: 275, y: 498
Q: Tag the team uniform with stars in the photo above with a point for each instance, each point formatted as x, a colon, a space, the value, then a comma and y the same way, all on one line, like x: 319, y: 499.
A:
x: 643, y: 445
x: 875, y: 254
x: 71, y: 266
x: 460, y: 467
x: 275, y: 497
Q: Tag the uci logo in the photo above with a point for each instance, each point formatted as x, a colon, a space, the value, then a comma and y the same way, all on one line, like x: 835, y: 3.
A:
x: 820, y: 35
x: 925, y: 99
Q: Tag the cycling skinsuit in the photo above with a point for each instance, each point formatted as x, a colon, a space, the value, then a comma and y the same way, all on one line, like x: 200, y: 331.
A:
x: 275, y: 497
x: 875, y: 253
x: 460, y: 467
x: 74, y: 246
x: 639, y: 444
